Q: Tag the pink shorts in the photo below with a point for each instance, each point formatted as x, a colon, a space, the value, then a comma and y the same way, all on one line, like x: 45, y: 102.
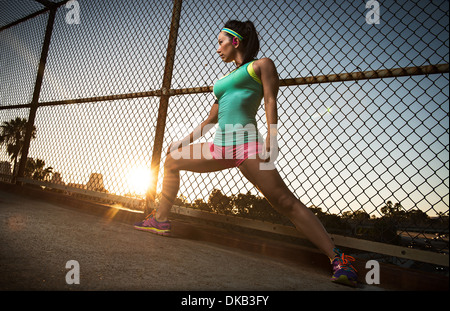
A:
x: 235, y: 155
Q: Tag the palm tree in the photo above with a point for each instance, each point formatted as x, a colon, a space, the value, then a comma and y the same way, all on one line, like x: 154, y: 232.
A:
x: 12, y: 134
x: 35, y: 169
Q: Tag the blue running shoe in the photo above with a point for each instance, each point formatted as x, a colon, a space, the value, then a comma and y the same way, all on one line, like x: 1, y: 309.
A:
x: 150, y: 224
x: 343, y: 271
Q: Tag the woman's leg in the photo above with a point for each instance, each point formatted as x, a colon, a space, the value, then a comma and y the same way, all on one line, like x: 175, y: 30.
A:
x: 195, y: 158
x: 272, y: 186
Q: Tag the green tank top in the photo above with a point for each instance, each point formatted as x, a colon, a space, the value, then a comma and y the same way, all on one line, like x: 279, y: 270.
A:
x: 239, y: 95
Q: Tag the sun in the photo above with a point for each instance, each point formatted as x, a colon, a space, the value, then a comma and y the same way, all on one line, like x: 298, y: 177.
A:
x: 138, y: 179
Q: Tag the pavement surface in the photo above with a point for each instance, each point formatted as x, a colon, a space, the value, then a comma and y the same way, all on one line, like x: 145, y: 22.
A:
x: 38, y: 238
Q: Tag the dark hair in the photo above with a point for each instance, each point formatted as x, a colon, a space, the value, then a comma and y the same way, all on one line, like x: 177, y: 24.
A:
x: 250, y: 39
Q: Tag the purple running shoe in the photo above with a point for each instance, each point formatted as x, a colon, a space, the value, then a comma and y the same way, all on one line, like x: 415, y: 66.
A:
x: 150, y: 224
x: 343, y: 271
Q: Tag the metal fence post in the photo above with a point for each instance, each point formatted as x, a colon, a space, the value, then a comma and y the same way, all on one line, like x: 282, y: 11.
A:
x: 163, y: 105
x: 37, y: 90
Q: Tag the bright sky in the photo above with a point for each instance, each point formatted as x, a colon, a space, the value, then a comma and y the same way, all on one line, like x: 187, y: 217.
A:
x: 343, y: 145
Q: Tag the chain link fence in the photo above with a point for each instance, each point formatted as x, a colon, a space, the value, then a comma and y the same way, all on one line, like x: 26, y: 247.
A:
x: 363, y: 106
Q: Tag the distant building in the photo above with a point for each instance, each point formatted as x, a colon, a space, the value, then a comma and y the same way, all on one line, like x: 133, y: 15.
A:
x: 77, y: 186
x: 95, y: 183
x: 5, y: 169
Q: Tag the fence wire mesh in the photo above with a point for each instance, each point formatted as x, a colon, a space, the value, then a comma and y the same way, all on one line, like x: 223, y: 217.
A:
x: 368, y: 156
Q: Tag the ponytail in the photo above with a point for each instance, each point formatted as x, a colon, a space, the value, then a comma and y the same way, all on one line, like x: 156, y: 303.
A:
x: 250, y: 39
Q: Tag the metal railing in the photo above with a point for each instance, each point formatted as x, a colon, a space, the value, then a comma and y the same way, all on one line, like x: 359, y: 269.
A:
x: 105, y: 87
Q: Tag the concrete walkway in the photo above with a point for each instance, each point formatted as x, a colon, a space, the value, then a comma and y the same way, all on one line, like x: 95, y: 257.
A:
x: 38, y: 238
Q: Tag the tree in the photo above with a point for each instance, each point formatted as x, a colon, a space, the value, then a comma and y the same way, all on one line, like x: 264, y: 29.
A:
x: 220, y: 203
x: 391, y: 209
x: 416, y: 217
x: 201, y: 205
x: 244, y: 203
x: 12, y: 134
x: 35, y: 169
x: 360, y: 215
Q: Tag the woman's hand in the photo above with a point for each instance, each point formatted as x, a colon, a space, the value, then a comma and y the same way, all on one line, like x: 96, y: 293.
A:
x: 266, y: 151
x: 199, y: 131
x: 271, y: 145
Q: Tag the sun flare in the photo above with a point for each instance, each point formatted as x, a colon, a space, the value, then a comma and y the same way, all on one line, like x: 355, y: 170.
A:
x: 139, y: 179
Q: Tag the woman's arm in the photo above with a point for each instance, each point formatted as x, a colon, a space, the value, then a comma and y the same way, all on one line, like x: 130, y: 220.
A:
x: 265, y: 68
x: 199, y: 131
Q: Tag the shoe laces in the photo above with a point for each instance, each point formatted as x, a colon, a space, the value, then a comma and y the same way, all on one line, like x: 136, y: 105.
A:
x: 152, y: 214
x: 345, y: 261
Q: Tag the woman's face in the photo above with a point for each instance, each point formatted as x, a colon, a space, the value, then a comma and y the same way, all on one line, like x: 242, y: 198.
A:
x: 226, y: 50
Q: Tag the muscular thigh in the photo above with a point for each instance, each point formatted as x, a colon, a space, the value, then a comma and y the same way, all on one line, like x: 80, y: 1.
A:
x: 269, y: 182
x: 194, y: 158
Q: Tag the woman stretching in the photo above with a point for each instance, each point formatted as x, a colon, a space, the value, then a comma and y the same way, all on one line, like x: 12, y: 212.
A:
x: 237, y: 143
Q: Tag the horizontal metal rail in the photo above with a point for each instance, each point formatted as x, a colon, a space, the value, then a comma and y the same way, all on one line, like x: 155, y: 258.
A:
x: 88, y: 99
x: 342, y: 77
x: 135, y: 203
x: 48, y: 6
x: 367, y: 75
